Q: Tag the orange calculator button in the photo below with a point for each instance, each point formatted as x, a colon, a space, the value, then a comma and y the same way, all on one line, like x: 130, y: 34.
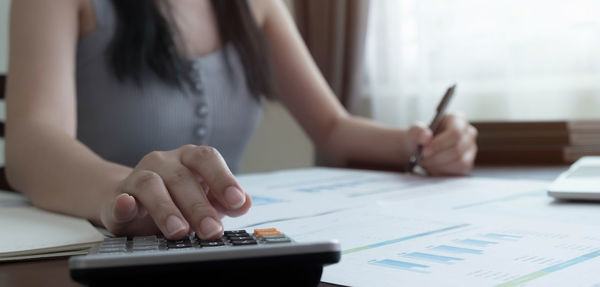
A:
x: 266, y: 231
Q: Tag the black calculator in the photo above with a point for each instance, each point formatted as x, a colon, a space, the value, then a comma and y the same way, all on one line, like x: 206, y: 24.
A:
x: 264, y: 257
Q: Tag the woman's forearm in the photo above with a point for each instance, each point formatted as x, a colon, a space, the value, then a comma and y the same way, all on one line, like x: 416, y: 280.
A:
x: 358, y: 141
x: 57, y: 172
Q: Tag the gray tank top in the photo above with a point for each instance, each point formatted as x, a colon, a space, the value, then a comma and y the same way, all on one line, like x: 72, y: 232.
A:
x: 122, y: 122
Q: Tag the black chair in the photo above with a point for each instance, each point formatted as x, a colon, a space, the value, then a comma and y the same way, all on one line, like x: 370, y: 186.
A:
x: 3, y: 181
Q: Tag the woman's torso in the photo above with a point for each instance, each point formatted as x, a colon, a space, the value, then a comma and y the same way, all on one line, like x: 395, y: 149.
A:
x: 122, y: 121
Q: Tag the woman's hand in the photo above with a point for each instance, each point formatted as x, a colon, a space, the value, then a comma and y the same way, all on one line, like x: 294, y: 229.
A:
x: 174, y: 190
x: 451, y: 151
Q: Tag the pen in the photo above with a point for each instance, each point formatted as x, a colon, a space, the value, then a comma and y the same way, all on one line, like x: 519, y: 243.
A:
x: 440, y: 112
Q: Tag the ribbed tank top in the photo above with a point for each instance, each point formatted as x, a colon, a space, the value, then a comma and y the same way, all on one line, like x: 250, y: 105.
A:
x: 122, y: 121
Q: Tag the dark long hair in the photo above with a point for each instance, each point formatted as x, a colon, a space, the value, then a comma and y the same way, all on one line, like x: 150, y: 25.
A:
x: 145, y: 36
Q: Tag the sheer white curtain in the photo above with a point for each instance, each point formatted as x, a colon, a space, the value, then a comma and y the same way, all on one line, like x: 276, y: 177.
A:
x: 511, y: 59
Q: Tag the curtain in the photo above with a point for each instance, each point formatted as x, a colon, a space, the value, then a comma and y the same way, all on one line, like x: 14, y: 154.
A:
x: 511, y: 59
x: 334, y: 32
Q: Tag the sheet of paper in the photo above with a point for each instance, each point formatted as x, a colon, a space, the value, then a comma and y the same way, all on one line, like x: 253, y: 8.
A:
x: 405, y: 230
x: 525, y: 199
x: 301, y: 193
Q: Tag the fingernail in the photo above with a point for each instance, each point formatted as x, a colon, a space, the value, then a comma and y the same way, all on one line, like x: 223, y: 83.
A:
x: 121, y: 214
x: 234, y: 197
x: 210, y: 227
x: 174, y: 225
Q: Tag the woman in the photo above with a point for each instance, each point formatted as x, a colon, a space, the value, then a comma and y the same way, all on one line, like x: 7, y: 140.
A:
x: 98, y: 88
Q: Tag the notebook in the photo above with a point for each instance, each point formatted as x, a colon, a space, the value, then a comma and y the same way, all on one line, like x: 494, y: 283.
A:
x: 29, y: 232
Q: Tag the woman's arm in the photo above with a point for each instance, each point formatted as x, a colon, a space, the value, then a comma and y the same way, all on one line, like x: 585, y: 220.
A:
x: 345, y: 138
x: 167, y: 191
x: 43, y: 158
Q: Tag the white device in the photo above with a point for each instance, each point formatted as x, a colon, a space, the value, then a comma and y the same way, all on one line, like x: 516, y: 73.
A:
x: 580, y: 182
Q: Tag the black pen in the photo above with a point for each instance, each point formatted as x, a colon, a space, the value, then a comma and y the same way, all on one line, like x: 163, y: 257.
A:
x: 440, y: 112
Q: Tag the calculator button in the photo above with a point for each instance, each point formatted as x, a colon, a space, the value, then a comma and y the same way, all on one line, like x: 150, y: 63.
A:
x: 265, y: 230
x: 145, y: 248
x: 115, y: 240
x: 152, y: 238
x: 277, y: 240
x: 234, y: 232
x: 113, y: 244
x: 220, y: 238
x: 212, y: 243
x: 261, y: 234
x: 240, y: 238
x: 243, y: 242
x: 179, y: 243
x: 274, y: 236
x: 112, y: 250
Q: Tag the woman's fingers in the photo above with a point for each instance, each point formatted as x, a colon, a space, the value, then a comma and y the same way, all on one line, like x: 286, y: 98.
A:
x: 210, y: 165
x: 204, y: 217
x: 225, y: 211
x: 124, y: 215
x: 191, y: 198
x: 419, y: 134
x: 453, y: 150
x: 175, y: 190
x: 124, y: 208
x: 186, y: 191
x: 459, y: 167
x: 148, y: 188
x: 451, y: 131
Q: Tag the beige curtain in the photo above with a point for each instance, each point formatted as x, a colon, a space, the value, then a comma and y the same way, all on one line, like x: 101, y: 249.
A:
x: 334, y: 31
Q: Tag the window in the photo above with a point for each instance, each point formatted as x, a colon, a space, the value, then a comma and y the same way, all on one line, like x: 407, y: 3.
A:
x: 511, y: 59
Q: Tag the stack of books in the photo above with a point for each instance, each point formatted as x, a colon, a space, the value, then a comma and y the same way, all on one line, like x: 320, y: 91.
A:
x: 556, y: 142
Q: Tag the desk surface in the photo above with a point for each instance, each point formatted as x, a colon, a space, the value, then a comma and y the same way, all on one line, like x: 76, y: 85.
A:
x: 55, y: 272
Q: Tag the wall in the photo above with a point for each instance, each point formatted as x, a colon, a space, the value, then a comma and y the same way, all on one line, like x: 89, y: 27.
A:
x: 278, y: 143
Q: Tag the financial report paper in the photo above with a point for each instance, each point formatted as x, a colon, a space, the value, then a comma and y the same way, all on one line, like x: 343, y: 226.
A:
x: 406, y: 230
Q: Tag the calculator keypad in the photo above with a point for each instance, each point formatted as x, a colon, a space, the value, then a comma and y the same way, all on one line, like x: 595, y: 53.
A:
x: 231, y: 238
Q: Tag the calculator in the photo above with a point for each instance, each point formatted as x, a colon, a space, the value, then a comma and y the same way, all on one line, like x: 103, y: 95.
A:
x: 265, y: 256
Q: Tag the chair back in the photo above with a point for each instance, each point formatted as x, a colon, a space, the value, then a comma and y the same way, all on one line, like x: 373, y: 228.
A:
x: 3, y: 181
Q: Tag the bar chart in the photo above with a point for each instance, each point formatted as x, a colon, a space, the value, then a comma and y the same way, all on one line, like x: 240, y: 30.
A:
x: 443, y: 254
x: 432, y: 257
x: 459, y: 250
x: 397, y: 264
x: 475, y: 242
